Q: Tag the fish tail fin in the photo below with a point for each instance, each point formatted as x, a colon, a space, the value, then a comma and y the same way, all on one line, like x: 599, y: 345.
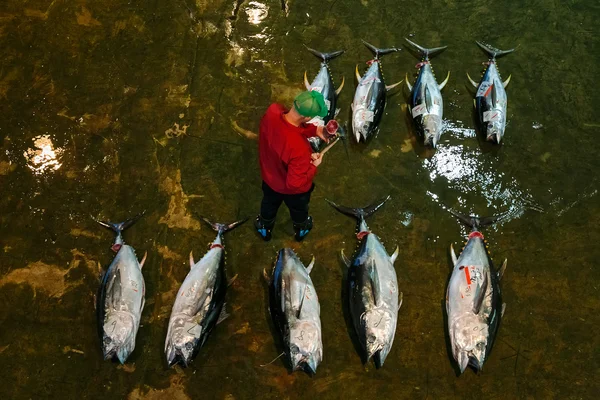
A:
x: 223, y: 228
x: 476, y: 222
x: 492, y: 52
x: 119, y: 227
x: 360, y: 213
x: 326, y: 57
x: 424, y: 52
x: 377, y: 53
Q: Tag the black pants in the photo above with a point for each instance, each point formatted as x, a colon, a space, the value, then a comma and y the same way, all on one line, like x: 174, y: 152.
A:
x: 296, y: 203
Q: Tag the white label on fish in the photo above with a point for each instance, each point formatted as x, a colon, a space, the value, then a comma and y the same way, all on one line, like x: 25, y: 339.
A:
x: 317, y: 121
x: 317, y: 89
x: 366, y: 115
x: 419, y: 110
x: 491, y: 116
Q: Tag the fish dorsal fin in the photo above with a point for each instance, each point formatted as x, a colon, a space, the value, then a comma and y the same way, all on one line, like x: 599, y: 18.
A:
x: 480, y: 296
x: 143, y: 260
x: 503, y: 309
x: 453, y: 254
x: 441, y: 85
x: 502, y: 269
x: 428, y: 100
x: 507, y: 81
x: 391, y: 87
x: 400, y: 299
x: 311, y: 265
x: 266, y: 275
x: 339, y: 89
x: 116, y: 289
x: 375, y: 284
x: 306, y: 84
x: 475, y: 85
x: 407, y: 82
x: 192, y: 262
x: 302, y: 301
x: 395, y: 255
x: 358, y: 77
x: 345, y: 259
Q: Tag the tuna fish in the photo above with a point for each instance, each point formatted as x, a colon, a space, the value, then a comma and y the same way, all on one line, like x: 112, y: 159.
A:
x: 323, y: 83
x: 374, y: 299
x: 491, y: 99
x: 426, y: 103
x: 120, y: 300
x: 295, y: 311
x: 473, y: 299
x: 370, y: 96
x: 200, y: 302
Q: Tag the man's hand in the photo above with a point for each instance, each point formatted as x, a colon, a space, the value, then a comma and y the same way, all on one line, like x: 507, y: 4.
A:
x: 316, y: 159
x: 322, y: 134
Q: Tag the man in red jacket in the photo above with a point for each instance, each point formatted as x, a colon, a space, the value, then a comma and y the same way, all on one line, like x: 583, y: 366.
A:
x: 287, y: 163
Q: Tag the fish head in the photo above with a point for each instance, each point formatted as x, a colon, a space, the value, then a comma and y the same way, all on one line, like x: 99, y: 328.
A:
x: 469, y: 336
x: 379, y: 326
x: 432, y: 129
x: 362, y: 122
x: 182, y: 340
x: 119, y: 329
x: 306, y: 348
x: 494, y: 131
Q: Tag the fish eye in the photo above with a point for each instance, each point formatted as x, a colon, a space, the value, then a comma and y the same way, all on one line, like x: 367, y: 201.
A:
x: 371, y: 339
x: 189, y: 346
x: 107, y: 340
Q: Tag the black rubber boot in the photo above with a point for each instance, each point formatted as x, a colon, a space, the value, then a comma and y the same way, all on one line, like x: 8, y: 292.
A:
x: 264, y: 227
x: 302, y: 229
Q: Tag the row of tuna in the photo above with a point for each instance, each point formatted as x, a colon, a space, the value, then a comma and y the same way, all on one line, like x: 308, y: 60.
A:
x: 473, y: 300
x: 426, y: 105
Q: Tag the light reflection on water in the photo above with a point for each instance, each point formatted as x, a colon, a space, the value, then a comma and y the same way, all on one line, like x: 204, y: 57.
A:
x: 257, y: 12
x: 461, y: 167
x: 43, y: 156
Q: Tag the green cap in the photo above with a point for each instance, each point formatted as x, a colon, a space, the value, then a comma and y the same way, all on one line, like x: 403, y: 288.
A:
x: 310, y: 104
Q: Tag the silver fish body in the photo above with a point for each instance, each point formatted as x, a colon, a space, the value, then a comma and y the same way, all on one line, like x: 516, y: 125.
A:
x: 374, y: 297
x: 370, y: 97
x: 295, y: 310
x: 426, y: 103
x: 200, y: 302
x: 473, y: 301
x: 491, y: 100
x: 121, y: 299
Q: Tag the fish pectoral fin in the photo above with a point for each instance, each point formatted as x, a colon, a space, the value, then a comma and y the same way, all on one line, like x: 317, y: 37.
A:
x: 395, y: 255
x: 345, y: 259
x: 441, y: 85
x: 507, y: 81
x: 339, y: 89
x: 407, y: 82
x: 400, y: 299
x: 192, y: 262
x: 358, y: 77
x: 143, y: 260
x: 283, y: 295
x: 474, y: 103
x: 503, y: 309
x: 375, y: 286
x: 311, y: 265
x: 306, y: 84
x: 453, y: 255
x: 472, y: 81
x: 480, y: 295
x: 390, y: 87
x: 223, y: 315
x: 230, y: 282
x: 502, y: 269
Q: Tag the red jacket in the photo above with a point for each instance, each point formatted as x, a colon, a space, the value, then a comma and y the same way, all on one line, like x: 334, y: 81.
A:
x: 284, y: 153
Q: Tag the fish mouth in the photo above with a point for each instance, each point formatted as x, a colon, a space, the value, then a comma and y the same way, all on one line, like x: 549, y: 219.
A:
x: 176, y: 356
x: 494, y: 138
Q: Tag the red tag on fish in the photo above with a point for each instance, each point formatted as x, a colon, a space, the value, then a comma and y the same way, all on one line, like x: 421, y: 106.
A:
x: 116, y: 247
x: 419, y: 65
x: 371, y: 62
x: 361, y: 235
x: 476, y: 234
x: 215, y: 245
